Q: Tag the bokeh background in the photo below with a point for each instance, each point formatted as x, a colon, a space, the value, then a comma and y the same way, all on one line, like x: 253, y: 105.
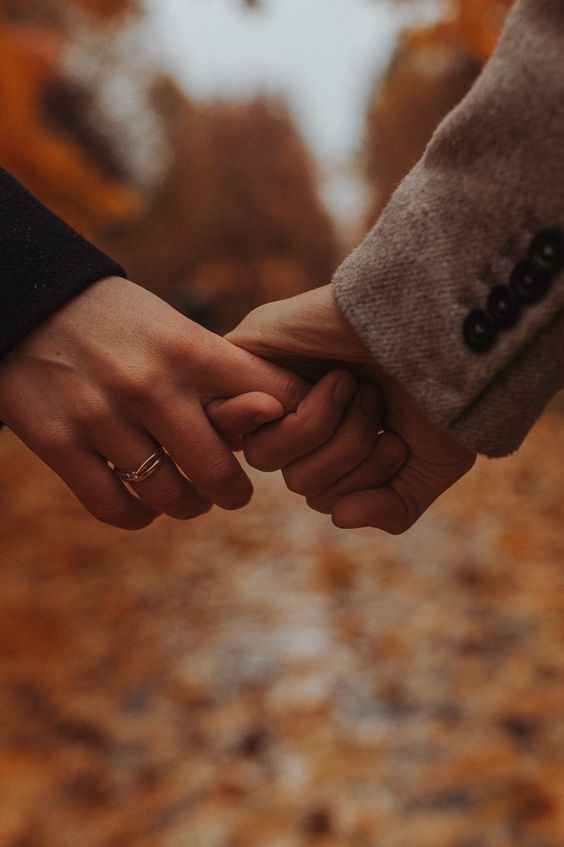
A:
x: 259, y: 679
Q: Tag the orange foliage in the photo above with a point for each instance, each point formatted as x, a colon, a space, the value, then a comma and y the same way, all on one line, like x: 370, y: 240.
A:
x: 44, y: 157
x: 473, y: 25
x: 234, y: 221
x: 237, y: 220
x: 110, y: 9
x: 432, y: 70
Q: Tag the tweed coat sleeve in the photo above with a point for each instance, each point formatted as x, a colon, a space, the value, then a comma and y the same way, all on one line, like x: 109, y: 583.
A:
x: 43, y: 263
x: 459, y: 289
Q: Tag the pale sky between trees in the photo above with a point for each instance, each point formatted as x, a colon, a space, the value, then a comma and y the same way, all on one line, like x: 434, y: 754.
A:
x: 322, y: 55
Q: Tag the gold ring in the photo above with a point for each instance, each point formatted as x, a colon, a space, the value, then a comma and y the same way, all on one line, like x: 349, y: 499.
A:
x: 145, y: 470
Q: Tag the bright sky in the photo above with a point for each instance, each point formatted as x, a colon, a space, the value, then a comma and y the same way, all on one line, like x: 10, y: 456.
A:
x: 323, y: 55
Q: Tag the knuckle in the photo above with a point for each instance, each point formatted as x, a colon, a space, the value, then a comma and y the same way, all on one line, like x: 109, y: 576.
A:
x: 91, y: 416
x: 136, y: 385
x: 319, y: 430
x: 180, y: 348
x: 54, y: 440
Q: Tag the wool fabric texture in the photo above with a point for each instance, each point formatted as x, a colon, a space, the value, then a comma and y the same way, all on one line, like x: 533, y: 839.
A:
x: 491, y: 179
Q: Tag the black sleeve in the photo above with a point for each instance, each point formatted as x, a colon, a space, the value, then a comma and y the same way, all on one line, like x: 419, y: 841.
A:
x: 43, y: 263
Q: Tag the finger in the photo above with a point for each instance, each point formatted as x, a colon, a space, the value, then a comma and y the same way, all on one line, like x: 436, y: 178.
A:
x: 236, y: 371
x: 308, y: 326
x: 277, y: 445
x: 166, y: 491
x: 187, y: 434
x: 354, y: 441
x: 395, y: 508
x: 244, y: 414
x: 99, y: 490
x: 381, y: 508
x: 387, y: 458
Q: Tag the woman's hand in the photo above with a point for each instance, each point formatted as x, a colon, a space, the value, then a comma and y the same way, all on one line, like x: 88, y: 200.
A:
x: 310, y: 328
x: 115, y: 374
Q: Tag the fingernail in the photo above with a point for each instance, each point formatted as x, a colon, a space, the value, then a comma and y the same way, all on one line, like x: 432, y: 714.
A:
x: 344, y: 389
x: 392, y: 451
x: 370, y: 401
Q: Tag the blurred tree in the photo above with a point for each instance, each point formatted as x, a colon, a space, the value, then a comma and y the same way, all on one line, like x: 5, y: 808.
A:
x: 40, y: 151
x: 470, y: 25
x: 111, y: 9
x: 237, y: 220
x: 229, y: 218
x: 431, y: 71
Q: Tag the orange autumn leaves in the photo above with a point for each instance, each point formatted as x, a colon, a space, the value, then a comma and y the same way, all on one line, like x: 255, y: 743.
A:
x: 111, y: 9
x: 431, y: 71
x: 40, y: 153
x: 472, y: 25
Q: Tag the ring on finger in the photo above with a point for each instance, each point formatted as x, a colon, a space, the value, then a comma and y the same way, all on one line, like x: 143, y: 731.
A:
x: 145, y: 470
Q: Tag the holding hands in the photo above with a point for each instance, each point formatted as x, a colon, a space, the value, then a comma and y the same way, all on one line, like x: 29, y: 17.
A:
x: 403, y: 470
x: 116, y: 374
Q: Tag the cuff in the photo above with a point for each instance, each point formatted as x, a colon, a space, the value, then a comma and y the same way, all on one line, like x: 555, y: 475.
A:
x: 43, y: 263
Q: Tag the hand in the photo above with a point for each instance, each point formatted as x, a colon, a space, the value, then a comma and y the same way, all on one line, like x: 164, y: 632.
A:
x: 334, y: 430
x: 311, y: 328
x: 116, y: 373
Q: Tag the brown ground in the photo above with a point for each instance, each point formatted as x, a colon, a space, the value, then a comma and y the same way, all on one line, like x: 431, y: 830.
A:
x: 261, y: 680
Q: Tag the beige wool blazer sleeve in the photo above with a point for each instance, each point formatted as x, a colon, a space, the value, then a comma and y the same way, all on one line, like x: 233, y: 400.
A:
x: 459, y: 289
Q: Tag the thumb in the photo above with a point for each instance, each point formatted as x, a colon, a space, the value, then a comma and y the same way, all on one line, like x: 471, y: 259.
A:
x: 244, y: 414
x: 306, y: 327
x: 252, y: 374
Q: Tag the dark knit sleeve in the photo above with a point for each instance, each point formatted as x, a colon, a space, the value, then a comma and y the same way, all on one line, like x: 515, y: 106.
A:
x: 43, y: 263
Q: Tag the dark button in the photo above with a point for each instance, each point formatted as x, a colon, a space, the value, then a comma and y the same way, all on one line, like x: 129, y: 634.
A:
x: 480, y: 332
x: 504, y: 305
x: 530, y: 283
x: 547, y: 251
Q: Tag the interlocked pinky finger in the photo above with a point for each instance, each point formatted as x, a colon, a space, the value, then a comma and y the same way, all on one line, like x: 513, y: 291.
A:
x: 101, y: 492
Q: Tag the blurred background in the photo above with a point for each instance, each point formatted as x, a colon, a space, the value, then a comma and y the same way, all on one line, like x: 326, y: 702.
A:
x: 259, y: 679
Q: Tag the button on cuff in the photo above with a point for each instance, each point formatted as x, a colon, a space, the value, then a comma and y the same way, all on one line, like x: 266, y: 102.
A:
x: 546, y: 252
x: 530, y: 283
x: 504, y: 306
x: 480, y: 332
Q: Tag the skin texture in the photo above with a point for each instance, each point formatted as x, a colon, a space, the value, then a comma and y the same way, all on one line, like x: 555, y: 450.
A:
x: 309, y: 329
x: 334, y: 430
x: 117, y: 372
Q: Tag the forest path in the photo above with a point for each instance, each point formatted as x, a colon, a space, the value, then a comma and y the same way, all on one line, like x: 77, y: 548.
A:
x: 258, y: 679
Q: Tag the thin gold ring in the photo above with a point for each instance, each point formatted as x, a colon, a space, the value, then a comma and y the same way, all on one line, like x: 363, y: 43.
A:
x: 145, y: 470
